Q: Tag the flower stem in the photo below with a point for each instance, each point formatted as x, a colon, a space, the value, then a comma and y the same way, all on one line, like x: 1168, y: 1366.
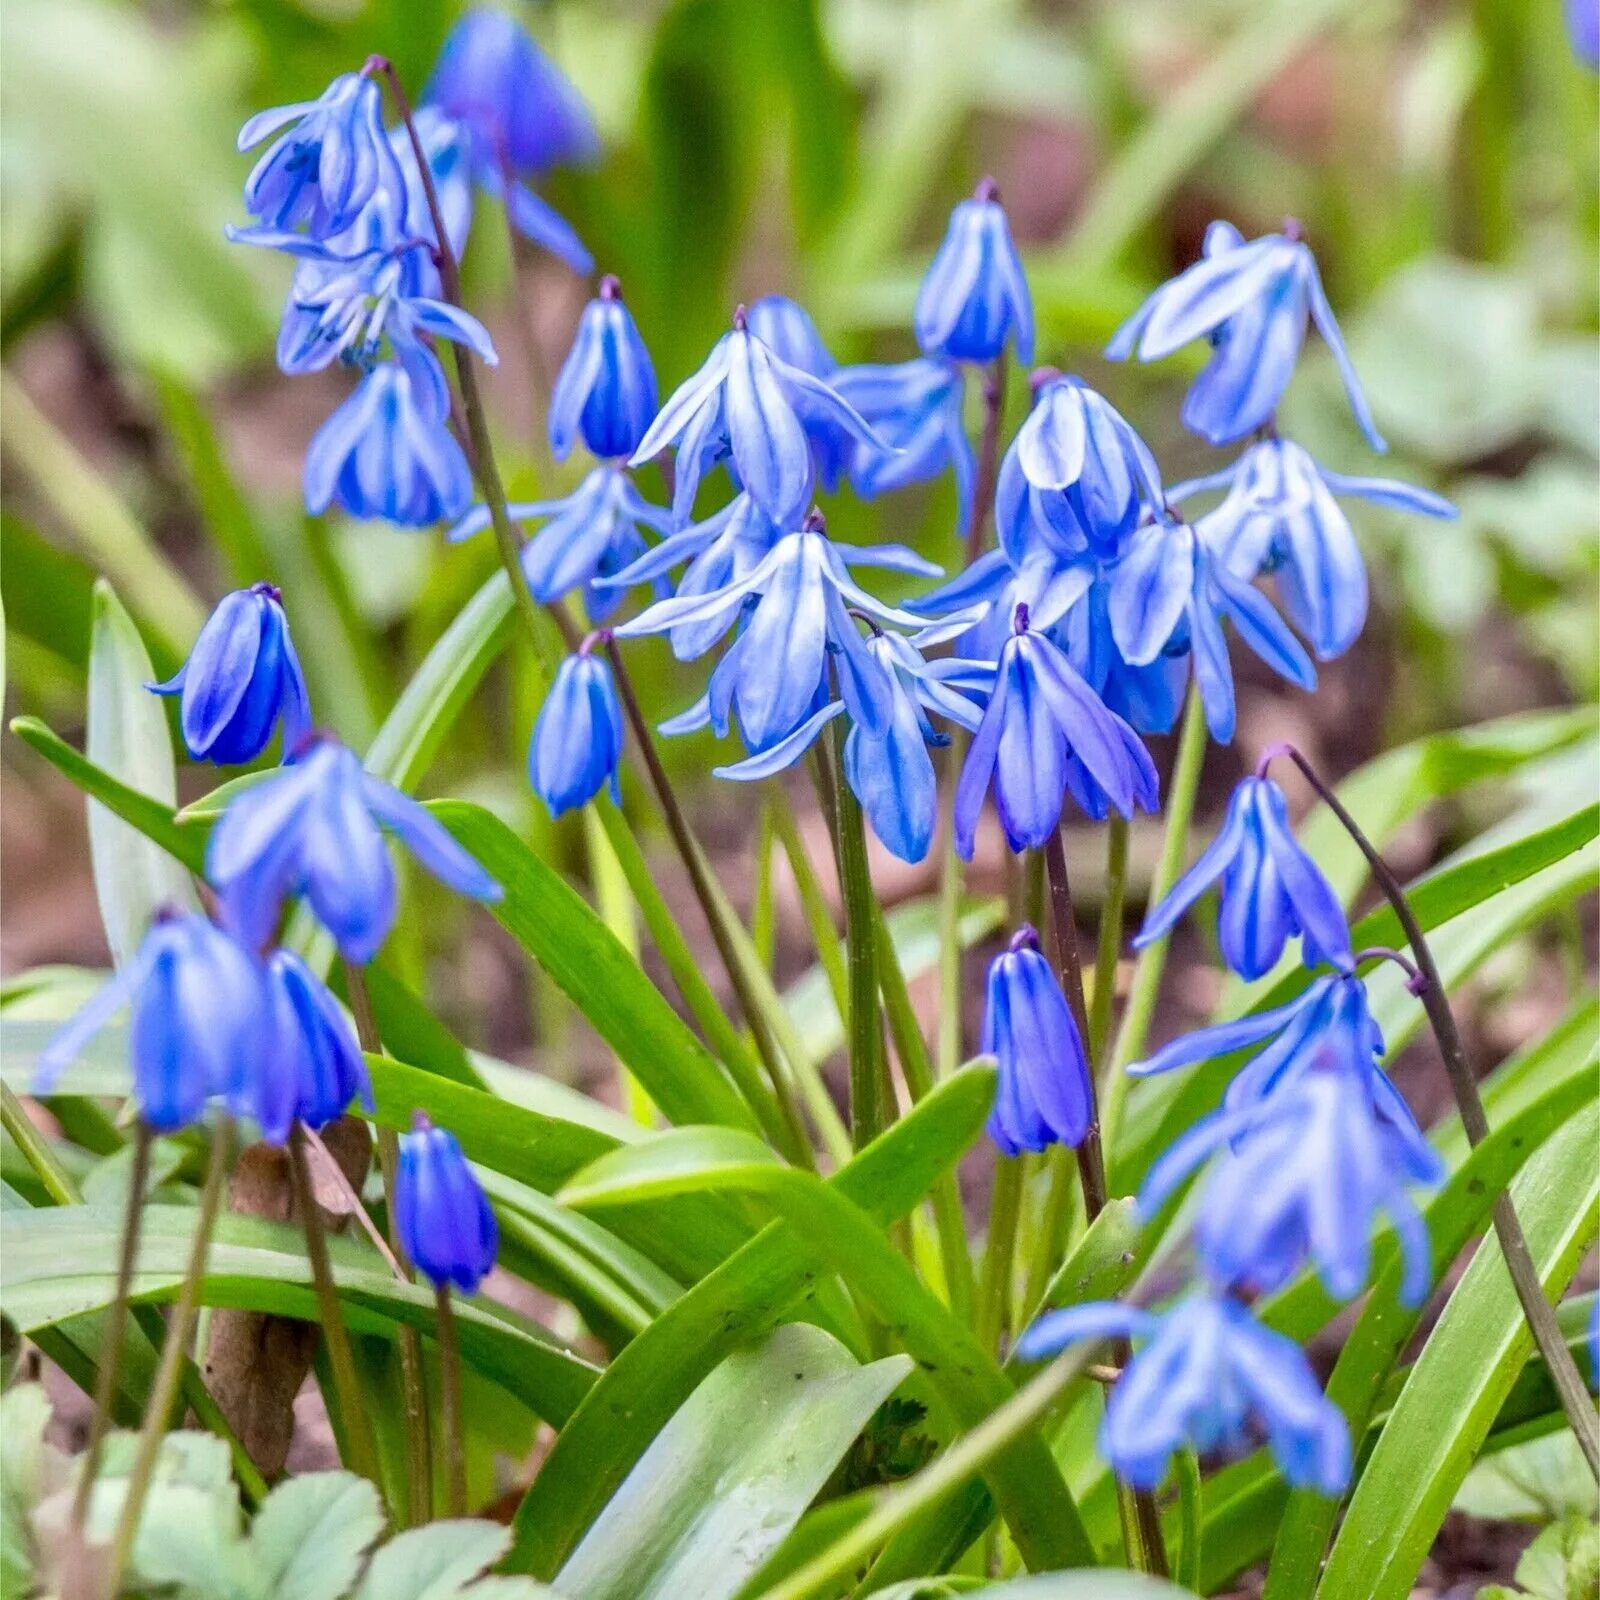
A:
x: 450, y: 1402
x: 165, y: 1386
x: 999, y: 1252
x: 994, y: 400
x: 1430, y: 990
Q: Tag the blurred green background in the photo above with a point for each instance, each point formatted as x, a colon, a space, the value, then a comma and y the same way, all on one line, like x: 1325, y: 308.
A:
x: 1441, y: 154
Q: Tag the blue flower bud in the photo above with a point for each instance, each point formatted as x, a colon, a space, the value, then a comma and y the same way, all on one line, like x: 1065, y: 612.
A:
x: 202, y: 1025
x: 241, y: 677
x: 442, y: 1215
x: 316, y: 1056
x: 787, y: 330
x: 312, y: 829
x: 326, y: 167
x: 1044, y: 1095
x: 577, y: 741
x: 606, y: 388
x: 974, y: 297
x: 1271, y: 889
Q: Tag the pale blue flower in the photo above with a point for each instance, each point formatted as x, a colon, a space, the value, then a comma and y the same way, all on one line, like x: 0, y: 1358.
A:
x: 606, y: 389
x: 577, y: 740
x: 974, y: 298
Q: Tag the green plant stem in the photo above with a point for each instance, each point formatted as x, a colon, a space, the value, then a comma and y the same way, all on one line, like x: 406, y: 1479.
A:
x: 1187, y: 1470
x: 110, y: 1368
x: 173, y: 1350
x: 36, y: 1150
x: 419, y: 1469
x: 999, y: 1253
x: 1541, y: 1317
x: 949, y: 1053
x: 450, y: 1402
x: 1147, y: 970
x: 994, y: 401
x: 813, y: 902
x: 341, y: 1358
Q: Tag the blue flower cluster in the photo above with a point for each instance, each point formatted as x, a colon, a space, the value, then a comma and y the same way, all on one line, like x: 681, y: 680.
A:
x: 1311, y: 1147
x: 348, y: 200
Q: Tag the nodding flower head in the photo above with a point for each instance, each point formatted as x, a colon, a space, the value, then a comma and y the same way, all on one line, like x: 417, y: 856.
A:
x: 242, y: 679
x: 577, y: 740
x: 974, y: 299
x: 606, y: 389
x: 441, y: 1212
x: 317, y: 1065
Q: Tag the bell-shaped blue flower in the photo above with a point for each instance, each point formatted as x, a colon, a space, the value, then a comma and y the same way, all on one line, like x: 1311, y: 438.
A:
x: 388, y: 450
x: 787, y: 330
x: 1304, y: 1174
x: 1044, y: 1096
x: 447, y: 147
x: 1271, y: 889
x: 1046, y: 732
x: 590, y: 535
x: 974, y: 298
x: 1170, y: 592
x: 312, y: 829
x: 326, y: 166
x: 523, y: 112
x: 606, y: 389
x: 201, y: 1024
x: 916, y: 408
x: 750, y: 405
x: 440, y: 1210
x: 577, y: 740
x: 1207, y: 1374
x: 1281, y: 517
x: 317, y: 1061
x: 1251, y: 300
x: 241, y: 680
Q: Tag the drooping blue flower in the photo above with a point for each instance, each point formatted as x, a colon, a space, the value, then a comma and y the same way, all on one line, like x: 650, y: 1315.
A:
x: 1251, y: 300
x: 1205, y: 1373
x: 752, y: 406
x: 327, y: 164
x: 1077, y: 475
x: 774, y: 671
x: 1271, y: 889
x: 1046, y: 732
x: 317, y: 1061
x: 1280, y: 517
x: 241, y: 680
x: 201, y: 1023
x: 521, y: 109
x: 312, y: 830
x: 591, y: 535
x: 440, y: 1210
x: 1583, y: 29
x: 890, y: 773
x: 916, y: 408
x: 606, y: 389
x: 388, y: 450
x: 787, y: 330
x: 1044, y: 1095
x: 974, y: 297
x: 577, y: 740
x: 1170, y: 592
x: 1304, y: 1174
x: 447, y: 147
x: 1328, y: 1024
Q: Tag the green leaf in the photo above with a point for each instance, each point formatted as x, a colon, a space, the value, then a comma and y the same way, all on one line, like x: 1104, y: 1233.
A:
x: 724, y: 1482
x: 1465, y: 1371
x: 1563, y: 1563
x: 1543, y: 1480
x: 30, y: 1468
x: 1097, y: 1585
x: 435, y: 1562
x: 311, y: 1533
x: 127, y: 737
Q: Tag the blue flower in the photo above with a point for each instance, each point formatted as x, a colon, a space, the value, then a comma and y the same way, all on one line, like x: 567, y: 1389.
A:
x: 606, y: 388
x: 1583, y: 29
x: 1251, y: 301
x: 974, y: 296
x: 1271, y: 889
x: 317, y: 1061
x: 1076, y: 474
x: 312, y: 829
x: 441, y: 1213
x: 327, y: 165
x: 889, y: 772
x: 388, y: 450
x: 1044, y: 1095
x: 447, y: 146
x: 522, y: 112
x: 592, y: 534
x: 1304, y: 1173
x: 201, y: 1024
x: 1328, y: 1024
x: 1170, y: 592
x: 1281, y: 517
x: 577, y: 741
x: 916, y: 408
x: 786, y: 329
x: 1205, y: 1373
x: 773, y: 672
x: 749, y: 404
x: 1045, y: 731
x: 240, y: 680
